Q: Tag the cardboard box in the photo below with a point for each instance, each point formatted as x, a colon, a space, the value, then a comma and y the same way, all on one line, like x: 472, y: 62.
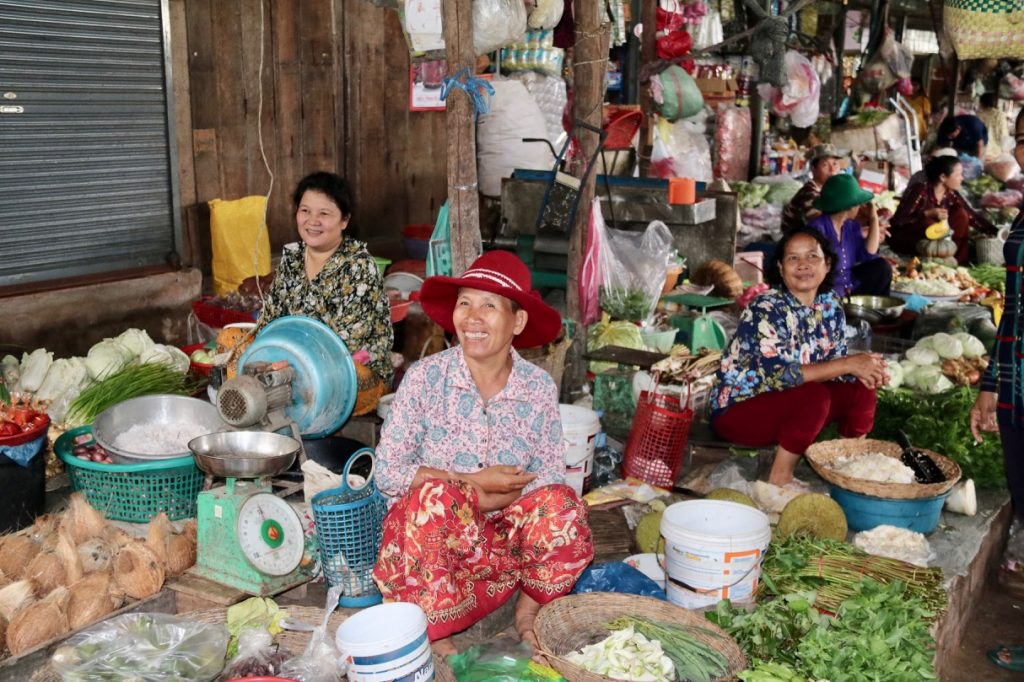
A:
x: 861, y: 139
x: 874, y: 176
x: 717, y: 89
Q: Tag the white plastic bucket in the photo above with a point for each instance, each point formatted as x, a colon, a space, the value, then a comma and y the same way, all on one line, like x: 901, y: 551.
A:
x: 386, y: 643
x: 713, y: 551
x: 580, y: 427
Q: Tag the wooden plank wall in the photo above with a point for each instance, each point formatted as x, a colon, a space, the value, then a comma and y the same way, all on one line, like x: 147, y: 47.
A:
x: 335, y: 97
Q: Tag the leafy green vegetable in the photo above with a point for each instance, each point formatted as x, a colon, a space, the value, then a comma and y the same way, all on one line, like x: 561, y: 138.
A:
x: 693, y: 660
x: 130, y: 382
x: 771, y: 672
x: 989, y: 275
x: 772, y: 631
x: 942, y: 423
x: 624, y: 303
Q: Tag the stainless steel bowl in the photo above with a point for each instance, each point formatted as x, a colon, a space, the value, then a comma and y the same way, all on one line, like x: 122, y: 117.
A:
x: 153, y: 409
x: 874, y: 309
x: 244, y: 454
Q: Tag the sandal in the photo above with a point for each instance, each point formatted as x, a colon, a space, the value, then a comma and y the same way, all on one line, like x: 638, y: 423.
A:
x: 1008, y: 657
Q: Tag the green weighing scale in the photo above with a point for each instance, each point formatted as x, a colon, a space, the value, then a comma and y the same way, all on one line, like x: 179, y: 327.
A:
x: 698, y: 329
x: 248, y: 537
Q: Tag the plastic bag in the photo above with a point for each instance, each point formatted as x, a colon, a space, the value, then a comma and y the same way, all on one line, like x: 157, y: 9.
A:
x: 590, y: 273
x: 144, y: 647
x: 899, y: 59
x: 971, y: 166
x: 1008, y: 198
x: 1003, y: 167
x: 320, y: 662
x: 239, y: 241
x: 732, y: 140
x: 257, y: 655
x: 497, y: 23
x: 676, y: 93
x: 546, y: 14
x: 503, y: 660
x: 799, y: 98
x: 633, y: 267
x: 620, y: 577
x: 689, y: 147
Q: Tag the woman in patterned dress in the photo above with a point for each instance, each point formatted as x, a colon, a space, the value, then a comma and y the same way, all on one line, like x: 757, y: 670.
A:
x: 786, y: 373
x: 472, y: 459
x: 332, y: 278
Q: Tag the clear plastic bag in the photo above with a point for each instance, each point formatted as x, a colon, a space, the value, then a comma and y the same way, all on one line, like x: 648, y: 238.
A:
x: 257, y: 655
x: 503, y: 660
x: 497, y: 23
x: 144, y: 647
x: 633, y: 267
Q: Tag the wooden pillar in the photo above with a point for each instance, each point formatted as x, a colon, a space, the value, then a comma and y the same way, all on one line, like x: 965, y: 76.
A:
x: 463, y: 197
x: 840, y: 43
x: 648, y: 53
x: 590, y: 58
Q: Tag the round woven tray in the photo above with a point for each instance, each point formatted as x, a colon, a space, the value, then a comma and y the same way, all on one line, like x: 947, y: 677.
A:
x: 574, y: 621
x: 821, y: 456
x: 294, y: 642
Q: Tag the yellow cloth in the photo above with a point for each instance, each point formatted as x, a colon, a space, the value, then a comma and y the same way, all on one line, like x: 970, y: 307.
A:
x: 241, y: 246
x: 923, y: 107
x: 998, y: 130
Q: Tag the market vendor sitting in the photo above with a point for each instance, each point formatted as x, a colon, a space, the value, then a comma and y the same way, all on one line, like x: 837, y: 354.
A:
x: 786, y: 374
x: 332, y: 278
x: 471, y: 455
x: 825, y: 162
x: 859, y: 269
x: 938, y: 199
x: 965, y: 133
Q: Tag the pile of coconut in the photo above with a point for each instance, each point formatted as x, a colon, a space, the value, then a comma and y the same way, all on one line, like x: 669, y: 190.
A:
x: 74, y: 568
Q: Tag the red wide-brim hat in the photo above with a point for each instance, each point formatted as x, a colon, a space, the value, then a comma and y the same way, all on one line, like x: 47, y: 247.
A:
x: 497, y: 272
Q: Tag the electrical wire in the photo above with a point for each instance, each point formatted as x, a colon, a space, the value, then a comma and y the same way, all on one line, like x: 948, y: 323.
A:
x: 266, y: 164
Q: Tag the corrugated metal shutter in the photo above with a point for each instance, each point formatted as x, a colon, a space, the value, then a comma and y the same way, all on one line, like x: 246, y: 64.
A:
x: 86, y: 183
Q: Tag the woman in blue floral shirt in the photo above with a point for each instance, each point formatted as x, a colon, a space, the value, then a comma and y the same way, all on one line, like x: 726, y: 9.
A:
x: 786, y: 372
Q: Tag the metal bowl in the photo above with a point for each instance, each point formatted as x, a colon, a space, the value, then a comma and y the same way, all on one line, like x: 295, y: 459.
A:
x: 153, y: 409
x: 874, y: 309
x: 244, y: 454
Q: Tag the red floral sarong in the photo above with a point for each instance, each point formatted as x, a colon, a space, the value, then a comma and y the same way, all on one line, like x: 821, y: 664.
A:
x: 441, y: 552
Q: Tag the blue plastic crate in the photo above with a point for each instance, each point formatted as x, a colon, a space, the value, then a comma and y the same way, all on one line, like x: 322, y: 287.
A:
x: 864, y: 512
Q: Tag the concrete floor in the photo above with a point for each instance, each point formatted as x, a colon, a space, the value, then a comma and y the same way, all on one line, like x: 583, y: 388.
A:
x: 998, y: 619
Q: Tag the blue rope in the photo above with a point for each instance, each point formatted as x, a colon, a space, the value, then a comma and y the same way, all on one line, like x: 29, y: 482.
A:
x: 472, y: 86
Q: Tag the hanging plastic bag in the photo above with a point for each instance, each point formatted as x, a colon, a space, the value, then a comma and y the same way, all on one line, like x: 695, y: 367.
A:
x: 590, y: 272
x: 898, y: 58
x: 633, y: 267
x: 546, y: 14
x: 798, y: 99
x: 497, y: 23
x: 676, y: 93
x: 709, y: 30
x: 689, y: 146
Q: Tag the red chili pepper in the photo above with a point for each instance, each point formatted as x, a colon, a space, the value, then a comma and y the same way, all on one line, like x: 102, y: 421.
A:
x: 38, y: 419
x: 9, y: 429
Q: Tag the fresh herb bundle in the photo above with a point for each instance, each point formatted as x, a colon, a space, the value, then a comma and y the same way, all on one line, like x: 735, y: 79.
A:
x: 693, y: 660
x: 155, y: 378
x: 624, y: 303
x: 772, y: 631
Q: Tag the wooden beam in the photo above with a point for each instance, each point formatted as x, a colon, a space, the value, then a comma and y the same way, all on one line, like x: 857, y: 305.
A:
x: 648, y: 53
x: 590, y: 58
x: 463, y: 193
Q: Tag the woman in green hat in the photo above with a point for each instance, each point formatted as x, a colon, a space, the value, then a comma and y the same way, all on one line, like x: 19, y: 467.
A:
x: 859, y: 269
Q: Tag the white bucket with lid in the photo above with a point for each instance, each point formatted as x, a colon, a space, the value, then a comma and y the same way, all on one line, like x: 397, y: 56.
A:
x: 386, y: 643
x: 580, y: 427
x: 713, y: 550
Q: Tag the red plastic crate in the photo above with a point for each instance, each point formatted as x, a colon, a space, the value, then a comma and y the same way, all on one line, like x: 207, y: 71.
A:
x: 216, y: 316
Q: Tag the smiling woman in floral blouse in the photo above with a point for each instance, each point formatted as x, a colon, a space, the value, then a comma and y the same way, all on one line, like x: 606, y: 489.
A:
x: 332, y: 278
x: 786, y: 373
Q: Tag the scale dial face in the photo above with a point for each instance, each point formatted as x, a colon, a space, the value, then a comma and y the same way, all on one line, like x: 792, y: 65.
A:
x: 270, y: 534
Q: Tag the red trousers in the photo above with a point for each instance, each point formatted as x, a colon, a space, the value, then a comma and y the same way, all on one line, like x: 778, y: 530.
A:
x: 793, y: 418
x: 441, y: 552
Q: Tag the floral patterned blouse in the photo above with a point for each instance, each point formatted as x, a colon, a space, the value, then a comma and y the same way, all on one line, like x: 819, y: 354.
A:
x: 776, y: 335
x: 347, y: 295
x: 438, y: 420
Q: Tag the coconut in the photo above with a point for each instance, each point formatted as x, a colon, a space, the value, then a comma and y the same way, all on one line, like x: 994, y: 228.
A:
x: 3, y: 635
x: 15, y: 596
x: 138, y: 570
x: 189, y: 529
x: 181, y: 554
x: 89, y: 599
x: 68, y: 556
x: 82, y: 520
x: 96, y: 555
x: 730, y: 495
x: 160, y: 533
x: 116, y: 537
x: 815, y: 515
x: 47, y: 572
x: 38, y: 623
x: 4, y: 580
x: 16, y: 551
x: 44, y: 528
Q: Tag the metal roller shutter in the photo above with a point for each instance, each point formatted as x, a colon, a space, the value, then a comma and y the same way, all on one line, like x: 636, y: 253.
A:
x: 86, y: 153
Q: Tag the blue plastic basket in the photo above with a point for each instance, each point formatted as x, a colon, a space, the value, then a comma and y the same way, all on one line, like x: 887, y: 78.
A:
x: 349, y: 526
x: 864, y: 512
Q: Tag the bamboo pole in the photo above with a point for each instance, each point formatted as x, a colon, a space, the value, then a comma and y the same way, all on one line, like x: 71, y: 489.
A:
x: 463, y: 197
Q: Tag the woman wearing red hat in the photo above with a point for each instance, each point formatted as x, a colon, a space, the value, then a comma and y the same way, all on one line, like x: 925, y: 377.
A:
x: 471, y: 455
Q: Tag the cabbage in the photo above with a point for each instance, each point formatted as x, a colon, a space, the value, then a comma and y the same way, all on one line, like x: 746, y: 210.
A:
x: 941, y: 384
x: 11, y: 369
x: 135, y: 341
x: 608, y: 333
x: 105, y: 358
x: 168, y: 355
x: 922, y: 356
x: 63, y: 375
x: 895, y: 372
x: 34, y: 367
x: 926, y: 342
x: 947, y: 347
x: 973, y: 347
x: 179, y: 360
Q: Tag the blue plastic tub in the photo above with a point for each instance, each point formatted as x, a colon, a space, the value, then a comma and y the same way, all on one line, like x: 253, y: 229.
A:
x: 864, y: 512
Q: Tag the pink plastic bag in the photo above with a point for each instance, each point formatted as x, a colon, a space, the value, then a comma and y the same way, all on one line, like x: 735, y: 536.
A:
x: 732, y: 140
x: 590, y: 271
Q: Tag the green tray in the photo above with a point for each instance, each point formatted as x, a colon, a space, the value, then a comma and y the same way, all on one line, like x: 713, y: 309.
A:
x: 697, y: 300
x: 133, y: 492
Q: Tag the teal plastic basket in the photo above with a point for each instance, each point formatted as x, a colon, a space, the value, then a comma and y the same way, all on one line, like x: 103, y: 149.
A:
x: 349, y: 527
x: 133, y: 492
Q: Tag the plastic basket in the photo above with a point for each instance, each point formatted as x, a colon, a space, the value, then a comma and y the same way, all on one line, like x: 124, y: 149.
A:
x: 890, y: 345
x: 133, y: 492
x: 216, y: 316
x: 349, y: 527
x: 654, y: 450
x: 622, y: 128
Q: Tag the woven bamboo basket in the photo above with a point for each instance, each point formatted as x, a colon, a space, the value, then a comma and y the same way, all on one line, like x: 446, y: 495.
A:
x: 822, y: 455
x: 574, y: 621
x: 294, y: 642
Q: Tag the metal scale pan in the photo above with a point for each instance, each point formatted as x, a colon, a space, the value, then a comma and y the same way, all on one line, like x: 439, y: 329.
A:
x: 244, y: 454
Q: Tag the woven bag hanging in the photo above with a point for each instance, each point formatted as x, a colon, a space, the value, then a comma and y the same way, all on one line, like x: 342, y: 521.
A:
x: 983, y: 29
